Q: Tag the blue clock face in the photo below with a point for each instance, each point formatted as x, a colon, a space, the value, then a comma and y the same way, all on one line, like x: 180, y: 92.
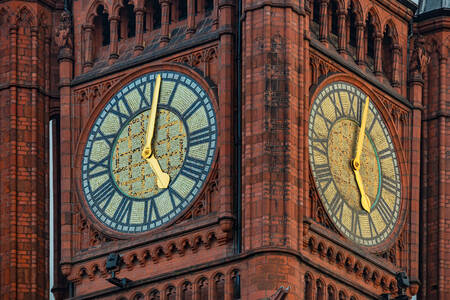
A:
x: 120, y: 186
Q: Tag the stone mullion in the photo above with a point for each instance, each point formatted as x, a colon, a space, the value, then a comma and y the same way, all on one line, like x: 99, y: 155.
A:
x: 396, y: 66
x: 114, y: 38
x: 323, y: 31
x: 377, y: 59
x: 89, y: 48
x: 190, y: 18
x: 342, y: 39
x: 165, y: 21
x: 360, y: 59
x: 140, y: 12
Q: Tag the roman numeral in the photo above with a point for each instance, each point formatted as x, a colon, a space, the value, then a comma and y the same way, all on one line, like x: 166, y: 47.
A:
x: 150, y: 211
x: 192, y: 168
x: 199, y: 136
x: 372, y: 227
x: 123, y: 211
x: 141, y: 91
x: 386, y: 153
x: 338, y: 107
x: 385, y: 211
x: 324, y: 176
x: 122, y: 117
x: 336, y: 206
x: 356, y: 226
x: 107, y: 138
x: 389, y: 184
x: 103, y: 193
x: 102, y: 163
x: 370, y: 127
x: 328, y: 123
x: 169, y: 102
x: 192, y: 109
x: 323, y: 142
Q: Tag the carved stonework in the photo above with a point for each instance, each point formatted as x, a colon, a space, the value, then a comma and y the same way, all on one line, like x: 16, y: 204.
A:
x: 97, y: 90
x: 321, y: 68
x: 419, y: 58
x: 63, y: 35
x: 347, y: 261
x: 199, y: 59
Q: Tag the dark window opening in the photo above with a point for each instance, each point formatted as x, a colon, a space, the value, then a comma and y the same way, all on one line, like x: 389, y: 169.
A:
x: 127, y: 21
x: 334, y: 18
x: 316, y: 11
x: 370, y: 37
x: 182, y: 9
x: 209, y: 6
x: 101, y: 23
x: 387, y: 53
x: 219, y: 287
x: 352, y: 21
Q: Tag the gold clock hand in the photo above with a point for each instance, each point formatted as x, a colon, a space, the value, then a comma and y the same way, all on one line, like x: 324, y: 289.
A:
x: 365, y: 202
x: 147, y: 150
x: 359, y: 144
x: 163, y: 179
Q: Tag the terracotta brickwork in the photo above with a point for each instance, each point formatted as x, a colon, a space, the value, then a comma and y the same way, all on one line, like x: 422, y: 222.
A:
x: 258, y: 229
x: 27, y: 87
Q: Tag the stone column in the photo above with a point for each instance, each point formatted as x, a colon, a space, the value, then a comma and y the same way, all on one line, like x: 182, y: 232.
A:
x: 360, y: 59
x: 323, y: 31
x: 114, y: 39
x: 377, y: 60
x: 165, y: 21
x: 89, y: 48
x: 139, y: 30
x: 190, y: 18
x: 342, y: 42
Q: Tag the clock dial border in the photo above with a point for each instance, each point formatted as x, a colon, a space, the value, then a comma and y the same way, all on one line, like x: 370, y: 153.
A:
x: 86, y: 133
x: 388, y: 129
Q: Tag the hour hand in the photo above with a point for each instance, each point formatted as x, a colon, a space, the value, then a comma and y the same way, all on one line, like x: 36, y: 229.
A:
x: 162, y: 179
x: 365, y: 202
x: 359, y: 144
x: 147, y: 150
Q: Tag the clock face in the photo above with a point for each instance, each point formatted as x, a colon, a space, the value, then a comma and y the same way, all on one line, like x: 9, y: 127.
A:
x: 121, y: 186
x: 334, y: 129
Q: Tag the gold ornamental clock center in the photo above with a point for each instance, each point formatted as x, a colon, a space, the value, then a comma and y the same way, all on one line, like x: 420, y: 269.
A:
x: 341, y: 149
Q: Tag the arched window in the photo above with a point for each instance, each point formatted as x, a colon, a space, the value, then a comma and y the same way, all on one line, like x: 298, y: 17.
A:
x: 333, y: 15
x: 320, y: 293
x: 127, y: 23
x: 154, y: 295
x: 101, y: 27
x: 186, y: 291
x: 152, y: 18
x: 331, y: 293
x: 308, y: 287
x: 171, y: 293
x: 203, y: 289
x: 387, y: 53
x: 139, y: 296
x: 352, y: 25
x: 370, y: 37
x: 219, y: 287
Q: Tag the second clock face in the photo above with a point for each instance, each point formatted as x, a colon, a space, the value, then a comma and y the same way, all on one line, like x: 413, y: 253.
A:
x: 334, y: 129
x: 119, y: 184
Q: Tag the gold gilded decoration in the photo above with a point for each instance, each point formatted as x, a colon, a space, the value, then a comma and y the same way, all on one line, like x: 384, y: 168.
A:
x: 131, y: 172
x: 341, y: 146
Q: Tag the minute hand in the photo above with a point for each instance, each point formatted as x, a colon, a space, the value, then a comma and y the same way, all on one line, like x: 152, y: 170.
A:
x: 147, y: 151
x: 356, y: 163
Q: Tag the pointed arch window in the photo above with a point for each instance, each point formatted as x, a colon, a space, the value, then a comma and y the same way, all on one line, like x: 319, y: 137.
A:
x: 101, y: 25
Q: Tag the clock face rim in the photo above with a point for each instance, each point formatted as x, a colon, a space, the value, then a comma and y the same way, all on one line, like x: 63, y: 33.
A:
x: 80, y: 197
x: 396, y: 144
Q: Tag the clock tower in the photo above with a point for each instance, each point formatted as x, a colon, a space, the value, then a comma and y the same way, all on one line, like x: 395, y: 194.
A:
x: 224, y: 149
